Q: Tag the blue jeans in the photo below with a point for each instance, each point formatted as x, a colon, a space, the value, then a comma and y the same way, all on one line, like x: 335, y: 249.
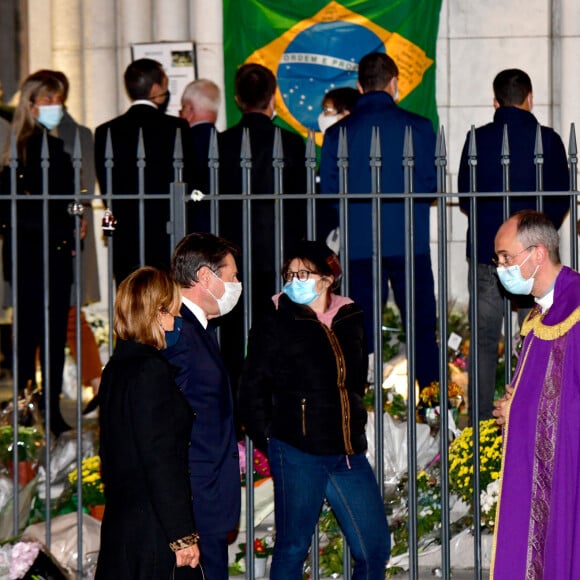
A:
x: 301, y: 481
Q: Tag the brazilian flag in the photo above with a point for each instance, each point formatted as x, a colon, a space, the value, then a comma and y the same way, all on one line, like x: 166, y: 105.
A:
x: 313, y: 46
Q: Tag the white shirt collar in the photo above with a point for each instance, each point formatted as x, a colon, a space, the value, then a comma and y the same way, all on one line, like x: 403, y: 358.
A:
x: 195, y: 310
x: 144, y: 102
x: 546, y: 300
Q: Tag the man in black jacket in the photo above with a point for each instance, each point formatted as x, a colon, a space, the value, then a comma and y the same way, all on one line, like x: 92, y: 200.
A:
x: 513, y: 101
x: 147, y: 86
x: 255, y: 96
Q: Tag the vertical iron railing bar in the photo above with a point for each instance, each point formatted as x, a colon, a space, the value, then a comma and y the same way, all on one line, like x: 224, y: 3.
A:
x: 376, y: 163
x: 278, y: 166
x: 507, y: 311
x: 343, y: 168
x: 76, y: 210
x: 246, y: 167
x: 213, y: 163
x: 13, y: 167
x: 46, y: 363
x: 141, y: 164
x: 441, y: 164
x: 539, y: 165
x: 408, y: 175
x: 310, y: 164
x: 108, y: 194
x: 473, y: 354
x: 176, y: 227
x: 343, y: 164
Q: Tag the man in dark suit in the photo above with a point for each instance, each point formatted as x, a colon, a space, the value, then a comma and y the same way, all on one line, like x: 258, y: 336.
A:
x: 146, y: 84
x: 200, y: 103
x: 378, y: 82
x: 205, y: 267
x: 513, y: 101
x: 255, y: 96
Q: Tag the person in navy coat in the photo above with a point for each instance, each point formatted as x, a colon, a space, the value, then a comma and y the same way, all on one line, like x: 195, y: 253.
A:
x: 376, y: 107
x: 205, y: 267
x: 513, y: 102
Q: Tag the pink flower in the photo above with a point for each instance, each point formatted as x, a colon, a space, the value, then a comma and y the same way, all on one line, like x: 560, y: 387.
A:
x: 242, y: 456
x: 23, y: 556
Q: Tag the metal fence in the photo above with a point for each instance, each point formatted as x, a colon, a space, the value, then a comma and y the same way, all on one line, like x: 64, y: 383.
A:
x: 178, y: 199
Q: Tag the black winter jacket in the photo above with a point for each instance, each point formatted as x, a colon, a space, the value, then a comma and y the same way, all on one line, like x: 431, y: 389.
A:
x: 303, y: 382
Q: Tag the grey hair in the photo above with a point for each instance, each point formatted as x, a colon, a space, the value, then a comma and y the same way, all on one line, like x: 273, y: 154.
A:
x: 204, y: 93
x: 535, y: 229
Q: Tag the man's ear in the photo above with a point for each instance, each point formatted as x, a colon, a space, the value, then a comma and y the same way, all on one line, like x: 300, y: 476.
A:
x: 530, y: 100
x: 495, y: 103
x: 204, y: 276
x: 359, y: 87
x: 542, y: 254
x: 156, y: 88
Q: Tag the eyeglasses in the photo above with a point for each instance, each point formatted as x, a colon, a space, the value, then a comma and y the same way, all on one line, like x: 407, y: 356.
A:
x: 508, y: 260
x: 302, y: 275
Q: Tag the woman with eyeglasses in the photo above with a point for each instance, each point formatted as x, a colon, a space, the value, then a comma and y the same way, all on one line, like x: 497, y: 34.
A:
x: 300, y: 401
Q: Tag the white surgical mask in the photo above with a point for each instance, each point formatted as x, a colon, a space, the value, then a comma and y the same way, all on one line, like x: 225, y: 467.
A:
x: 231, y: 295
x: 325, y: 121
x: 513, y: 281
x: 50, y: 115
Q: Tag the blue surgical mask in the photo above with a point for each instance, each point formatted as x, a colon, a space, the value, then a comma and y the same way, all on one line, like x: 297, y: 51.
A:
x: 301, y: 292
x: 172, y: 336
x: 50, y: 115
x: 512, y: 279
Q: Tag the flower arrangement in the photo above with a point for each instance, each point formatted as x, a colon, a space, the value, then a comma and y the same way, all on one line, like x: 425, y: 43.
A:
x: 28, y: 559
x: 461, y: 466
x: 429, y: 395
x: 263, y: 547
x: 29, y: 444
x: 100, y: 327
x: 260, y: 463
x: 92, y: 486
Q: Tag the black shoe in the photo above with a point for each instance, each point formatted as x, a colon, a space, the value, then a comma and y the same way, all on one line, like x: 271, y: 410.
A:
x: 91, y: 405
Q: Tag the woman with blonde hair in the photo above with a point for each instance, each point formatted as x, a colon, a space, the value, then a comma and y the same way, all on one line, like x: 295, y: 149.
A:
x: 35, y: 245
x: 148, y: 529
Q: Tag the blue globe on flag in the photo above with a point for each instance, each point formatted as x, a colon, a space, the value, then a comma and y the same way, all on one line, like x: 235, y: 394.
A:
x: 320, y: 58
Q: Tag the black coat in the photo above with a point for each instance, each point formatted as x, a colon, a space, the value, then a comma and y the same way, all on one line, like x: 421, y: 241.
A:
x: 145, y: 424
x: 262, y: 132
x: 522, y: 127
x: 31, y: 286
x: 159, y: 132
x: 199, y: 216
x: 291, y: 387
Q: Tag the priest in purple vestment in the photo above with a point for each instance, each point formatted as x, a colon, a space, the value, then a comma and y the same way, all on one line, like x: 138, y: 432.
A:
x: 537, y: 533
